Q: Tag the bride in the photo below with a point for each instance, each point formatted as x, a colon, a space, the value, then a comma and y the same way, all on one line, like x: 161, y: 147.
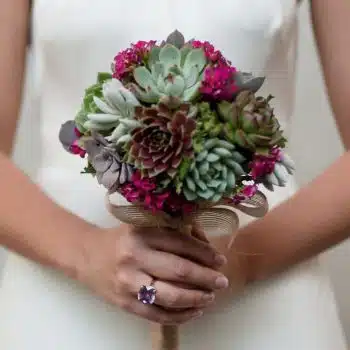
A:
x: 72, y: 277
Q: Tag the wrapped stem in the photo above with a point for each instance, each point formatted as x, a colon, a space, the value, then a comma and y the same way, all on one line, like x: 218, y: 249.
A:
x: 165, y: 337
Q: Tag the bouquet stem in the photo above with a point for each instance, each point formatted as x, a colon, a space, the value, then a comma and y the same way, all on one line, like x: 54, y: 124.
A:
x: 165, y: 337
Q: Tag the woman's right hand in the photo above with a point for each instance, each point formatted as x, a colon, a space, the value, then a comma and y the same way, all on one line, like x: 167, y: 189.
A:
x: 117, y: 262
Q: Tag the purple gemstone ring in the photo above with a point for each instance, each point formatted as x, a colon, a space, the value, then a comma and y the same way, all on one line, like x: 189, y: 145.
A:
x: 147, y: 294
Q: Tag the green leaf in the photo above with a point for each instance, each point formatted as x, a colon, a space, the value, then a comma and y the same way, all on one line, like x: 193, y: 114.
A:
x: 191, y: 77
x: 184, y: 52
x: 175, y: 87
x: 153, y: 56
x: 169, y: 55
x: 192, y: 93
x: 222, y: 152
x: 213, y: 158
x: 206, y: 194
x: 189, y: 195
x: 195, y: 58
x: 143, y: 77
x: 103, y: 76
x: 184, y: 168
x: 157, y: 70
x: 225, y: 110
x: 190, y: 184
x: 201, y: 156
x: 203, y: 168
x: 231, y: 179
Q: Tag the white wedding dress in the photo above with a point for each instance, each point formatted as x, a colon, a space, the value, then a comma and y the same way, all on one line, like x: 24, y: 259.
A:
x: 71, y: 41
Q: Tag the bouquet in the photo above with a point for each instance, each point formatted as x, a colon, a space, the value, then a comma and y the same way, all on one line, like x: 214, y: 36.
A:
x: 182, y: 135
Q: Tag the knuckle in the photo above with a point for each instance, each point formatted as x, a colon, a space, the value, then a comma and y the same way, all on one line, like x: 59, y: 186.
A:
x: 182, y: 270
x: 174, y: 299
x: 122, y: 278
x: 127, y: 256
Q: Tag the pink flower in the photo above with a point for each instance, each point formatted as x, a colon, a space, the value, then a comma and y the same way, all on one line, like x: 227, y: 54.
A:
x: 145, y: 191
x: 126, y: 60
x: 142, y: 190
x: 264, y: 165
x: 219, y: 83
x: 214, y: 56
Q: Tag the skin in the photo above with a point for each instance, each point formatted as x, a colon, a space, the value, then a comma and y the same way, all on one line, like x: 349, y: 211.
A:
x: 113, y: 263
x: 107, y: 260
x: 326, y: 222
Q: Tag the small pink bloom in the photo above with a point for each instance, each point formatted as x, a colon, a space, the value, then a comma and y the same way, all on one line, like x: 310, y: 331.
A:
x: 219, y: 83
x: 214, y: 56
x: 126, y: 60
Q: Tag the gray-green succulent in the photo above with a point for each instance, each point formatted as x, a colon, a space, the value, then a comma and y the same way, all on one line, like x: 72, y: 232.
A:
x: 116, y: 108
x: 214, y: 171
x: 171, y: 72
x: 279, y: 177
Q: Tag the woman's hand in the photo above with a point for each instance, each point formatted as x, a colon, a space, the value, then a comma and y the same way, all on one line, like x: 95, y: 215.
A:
x: 117, y: 262
x: 236, y: 269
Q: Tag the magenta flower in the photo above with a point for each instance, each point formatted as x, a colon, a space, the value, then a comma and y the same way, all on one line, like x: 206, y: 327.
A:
x: 264, y: 165
x: 142, y: 190
x: 214, y: 56
x: 126, y: 60
x: 219, y: 83
x: 145, y: 191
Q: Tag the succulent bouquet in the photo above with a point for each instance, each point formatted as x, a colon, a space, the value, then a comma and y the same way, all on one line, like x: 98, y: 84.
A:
x: 175, y: 126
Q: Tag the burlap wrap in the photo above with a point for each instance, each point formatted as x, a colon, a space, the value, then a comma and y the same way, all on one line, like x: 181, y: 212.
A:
x: 220, y: 219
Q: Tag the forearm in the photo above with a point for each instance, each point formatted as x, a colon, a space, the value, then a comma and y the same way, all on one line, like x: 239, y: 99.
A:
x: 316, y: 218
x: 330, y: 19
x: 34, y: 226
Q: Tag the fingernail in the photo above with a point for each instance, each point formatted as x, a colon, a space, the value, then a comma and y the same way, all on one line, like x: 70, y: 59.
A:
x: 207, y: 298
x: 221, y: 282
x: 220, y: 260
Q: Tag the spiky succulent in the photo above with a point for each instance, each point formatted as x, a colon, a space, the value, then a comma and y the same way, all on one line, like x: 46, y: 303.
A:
x: 110, y: 170
x: 88, y: 105
x: 163, y: 140
x: 213, y: 172
x: 170, y: 72
x: 114, y: 112
x: 250, y: 123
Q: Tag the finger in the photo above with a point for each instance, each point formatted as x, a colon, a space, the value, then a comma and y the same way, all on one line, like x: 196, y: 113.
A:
x: 170, y: 267
x: 187, y: 246
x: 167, y: 295
x: 171, y: 296
x: 157, y: 314
x: 198, y: 233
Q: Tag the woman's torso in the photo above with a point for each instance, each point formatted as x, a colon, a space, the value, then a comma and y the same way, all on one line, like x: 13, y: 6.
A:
x: 71, y: 41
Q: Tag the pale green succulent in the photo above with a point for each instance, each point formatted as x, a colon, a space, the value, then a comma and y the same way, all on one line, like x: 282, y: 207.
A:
x: 213, y: 173
x: 282, y: 169
x: 116, y: 111
x: 171, y: 72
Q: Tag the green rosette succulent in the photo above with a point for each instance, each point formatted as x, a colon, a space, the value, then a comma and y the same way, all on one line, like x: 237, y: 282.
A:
x: 115, y: 112
x: 88, y: 105
x: 250, y: 123
x: 170, y: 72
x: 213, y: 172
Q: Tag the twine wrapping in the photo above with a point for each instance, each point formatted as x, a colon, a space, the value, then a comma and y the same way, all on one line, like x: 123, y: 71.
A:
x: 220, y: 219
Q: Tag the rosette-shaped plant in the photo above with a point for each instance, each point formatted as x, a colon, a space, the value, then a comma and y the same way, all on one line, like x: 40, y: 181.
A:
x: 213, y: 172
x: 251, y: 123
x: 165, y: 137
x: 116, y: 109
x: 171, y: 72
x: 110, y: 169
x: 88, y: 106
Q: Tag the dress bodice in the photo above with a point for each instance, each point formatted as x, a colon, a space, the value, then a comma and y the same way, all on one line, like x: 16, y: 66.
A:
x: 73, y: 40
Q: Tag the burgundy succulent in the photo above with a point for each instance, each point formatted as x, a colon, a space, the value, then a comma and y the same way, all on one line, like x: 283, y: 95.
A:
x: 165, y: 138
